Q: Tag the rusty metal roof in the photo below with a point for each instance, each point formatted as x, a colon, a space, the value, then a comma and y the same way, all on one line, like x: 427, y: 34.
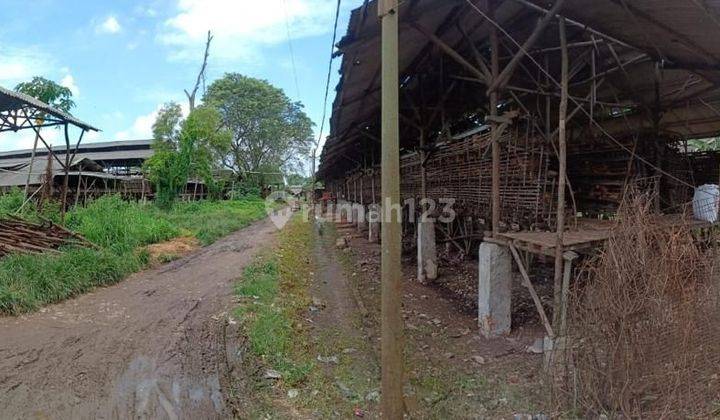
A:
x: 17, y: 110
x: 681, y: 36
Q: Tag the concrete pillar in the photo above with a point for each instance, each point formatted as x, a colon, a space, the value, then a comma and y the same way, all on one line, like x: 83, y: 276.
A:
x: 362, y: 218
x: 374, y: 223
x: 494, y: 289
x: 353, y: 214
x: 427, y: 269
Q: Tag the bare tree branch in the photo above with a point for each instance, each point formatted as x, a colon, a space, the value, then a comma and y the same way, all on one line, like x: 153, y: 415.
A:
x: 201, y: 74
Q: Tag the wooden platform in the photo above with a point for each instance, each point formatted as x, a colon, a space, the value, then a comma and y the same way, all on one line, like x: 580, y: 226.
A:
x: 589, y: 234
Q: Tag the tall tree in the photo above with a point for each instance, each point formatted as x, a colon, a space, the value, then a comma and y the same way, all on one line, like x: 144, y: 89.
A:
x: 51, y: 93
x: 185, y: 148
x: 269, y: 132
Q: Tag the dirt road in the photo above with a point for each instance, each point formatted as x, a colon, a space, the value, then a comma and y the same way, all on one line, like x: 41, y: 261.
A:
x: 152, y: 346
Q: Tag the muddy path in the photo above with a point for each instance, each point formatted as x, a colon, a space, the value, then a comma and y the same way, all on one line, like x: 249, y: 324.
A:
x: 153, y: 346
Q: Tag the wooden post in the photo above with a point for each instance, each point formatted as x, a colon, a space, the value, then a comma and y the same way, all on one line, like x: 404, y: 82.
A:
x: 569, y: 257
x: 391, y: 301
x: 362, y: 187
x: 659, y: 145
x: 67, y: 174
x: 562, y: 151
x: 423, y: 172
x: 77, y: 192
x: 494, y: 69
x: 531, y: 290
x: 32, y: 163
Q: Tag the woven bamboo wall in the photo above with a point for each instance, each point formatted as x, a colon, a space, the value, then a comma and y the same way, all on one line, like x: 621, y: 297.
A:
x: 462, y: 170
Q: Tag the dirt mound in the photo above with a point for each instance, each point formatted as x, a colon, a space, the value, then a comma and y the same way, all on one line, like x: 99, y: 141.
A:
x: 171, y: 250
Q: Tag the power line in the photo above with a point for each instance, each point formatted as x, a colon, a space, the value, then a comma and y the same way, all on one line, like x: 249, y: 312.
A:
x: 290, y: 47
x: 329, y: 72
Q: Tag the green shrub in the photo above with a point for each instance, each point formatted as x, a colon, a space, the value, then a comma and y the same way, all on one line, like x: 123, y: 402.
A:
x: 120, y: 229
x: 30, y: 281
x: 11, y: 201
x: 112, y: 222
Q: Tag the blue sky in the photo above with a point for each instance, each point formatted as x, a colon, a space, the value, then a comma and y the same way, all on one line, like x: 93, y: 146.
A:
x: 123, y: 59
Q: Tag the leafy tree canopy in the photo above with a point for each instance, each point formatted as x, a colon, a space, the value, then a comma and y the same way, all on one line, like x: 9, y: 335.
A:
x: 46, y: 90
x: 267, y: 129
x: 186, y: 148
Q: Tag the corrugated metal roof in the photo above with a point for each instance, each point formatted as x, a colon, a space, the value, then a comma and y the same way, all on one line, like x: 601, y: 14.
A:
x: 11, y: 101
x: 118, y: 145
x: 681, y: 35
x: 101, y: 151
x: 17, y: 175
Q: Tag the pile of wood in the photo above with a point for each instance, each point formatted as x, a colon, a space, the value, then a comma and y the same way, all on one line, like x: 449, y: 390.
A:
x: 18, y: 236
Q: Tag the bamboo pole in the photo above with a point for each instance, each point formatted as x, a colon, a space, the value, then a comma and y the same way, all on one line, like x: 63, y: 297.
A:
x: 531, y: 290
x: 392, y: 324
x: 32, y: 163
x: 77, y: 191
x: 67, y: 175
x: 562, y: 158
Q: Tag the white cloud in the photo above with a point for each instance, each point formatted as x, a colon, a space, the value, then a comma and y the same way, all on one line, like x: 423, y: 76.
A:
x: 109, y: 26
x: 24, y: 139
x: 69, y: 82
x: 141, y: 128
x: 242, y: 28
x: 145, y: 11
x: 21, y: 64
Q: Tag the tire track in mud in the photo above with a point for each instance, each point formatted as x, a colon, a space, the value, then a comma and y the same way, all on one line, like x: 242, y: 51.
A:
x: 152, y: 346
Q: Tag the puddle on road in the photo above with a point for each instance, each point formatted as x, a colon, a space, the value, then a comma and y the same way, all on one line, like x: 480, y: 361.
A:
x: 143, y: 391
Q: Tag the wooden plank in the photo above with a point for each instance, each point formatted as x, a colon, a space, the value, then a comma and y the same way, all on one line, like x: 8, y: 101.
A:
x: 531, y: 289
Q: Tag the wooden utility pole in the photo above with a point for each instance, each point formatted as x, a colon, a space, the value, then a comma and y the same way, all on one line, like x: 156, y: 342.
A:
x: 495, y: 136
x: 562, y: 158
x: 391, y: 302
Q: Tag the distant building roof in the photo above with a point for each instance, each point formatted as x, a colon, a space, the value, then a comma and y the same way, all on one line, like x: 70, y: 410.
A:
x: 109, y: 151
x: 16, y: 176
x: 15, y: 165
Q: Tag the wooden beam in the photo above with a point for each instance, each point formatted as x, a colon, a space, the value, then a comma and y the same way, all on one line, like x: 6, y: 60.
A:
x: 510, y: 67
x: 580, y: 25
x: 449, y: 51
x: 562, y: 158
x: 476, y: 54
x: 531, y: 289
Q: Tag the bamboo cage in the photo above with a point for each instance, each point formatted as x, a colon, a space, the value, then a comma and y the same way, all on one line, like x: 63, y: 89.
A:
x: 461, y: 169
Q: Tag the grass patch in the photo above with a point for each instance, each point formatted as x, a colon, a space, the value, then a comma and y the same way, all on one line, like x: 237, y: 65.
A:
x: 274, y: 295
x: 121, y: 229
x: 273, y: 292
x: 208, y: 221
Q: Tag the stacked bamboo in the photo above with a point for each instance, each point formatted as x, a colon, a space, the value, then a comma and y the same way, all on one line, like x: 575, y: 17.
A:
x: 18, y: 236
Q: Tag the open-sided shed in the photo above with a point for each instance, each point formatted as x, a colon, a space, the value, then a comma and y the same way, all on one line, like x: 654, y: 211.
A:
x: 528, y: 113
x: 19, y: 111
